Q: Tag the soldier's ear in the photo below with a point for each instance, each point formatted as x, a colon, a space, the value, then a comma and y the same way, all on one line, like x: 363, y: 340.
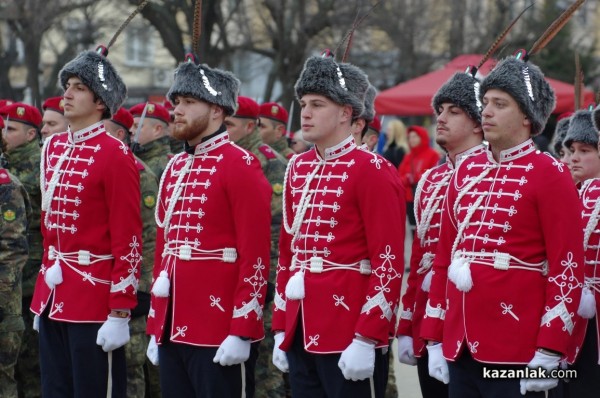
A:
x: 31, y: 134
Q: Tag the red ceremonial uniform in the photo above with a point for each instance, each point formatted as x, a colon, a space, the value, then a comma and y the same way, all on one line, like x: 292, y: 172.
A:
x: 589, y: 194
x: 213, y: 240
x: 429, y: 204
x: 343, y: 228
x: 91, y: 226
x: 510, y: 228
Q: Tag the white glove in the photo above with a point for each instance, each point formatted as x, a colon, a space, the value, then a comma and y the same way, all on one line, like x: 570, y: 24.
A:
x: 406, y: 353
x: 279, y: 356
x: 438, y: 367
x: 357, y: 361
x: 544, y: 361
x: 113, y: 333
x: 232, y: 351
x: 152, y: 351
x: 36, y: 323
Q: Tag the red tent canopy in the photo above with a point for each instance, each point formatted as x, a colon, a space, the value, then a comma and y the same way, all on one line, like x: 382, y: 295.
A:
x: 413, y: 97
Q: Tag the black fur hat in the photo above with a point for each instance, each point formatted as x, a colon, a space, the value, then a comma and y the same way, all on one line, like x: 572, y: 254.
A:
x: 560, y: 132
x: 581, y: 129
x: 369, y: 113
x: 524, y: 82
x: 596, y: 117
x: 215, y: 86
x: 462, y: 90
x: 97, y: 73
x: 342, y: 83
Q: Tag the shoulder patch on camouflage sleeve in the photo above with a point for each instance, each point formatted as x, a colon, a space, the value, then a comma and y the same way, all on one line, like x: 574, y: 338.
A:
x: 267, y: 151
x: 4, y: 177
x: 8, y: 214
x: 149, y: 199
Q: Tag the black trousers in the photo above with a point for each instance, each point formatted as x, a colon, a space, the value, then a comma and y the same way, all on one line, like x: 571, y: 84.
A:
x: 466, y: 380
x: 318, y: 375
x: 72, y: 364
x: 587, y: 383
x: 189, y: 371
x: 430, y: 387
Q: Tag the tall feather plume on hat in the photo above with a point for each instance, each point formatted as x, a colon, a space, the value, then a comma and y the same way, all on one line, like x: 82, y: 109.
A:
x: 368, y: 113
x: 198, y: 80
x: 96, y: 72
x: 462, y: 89
x: 581, y: 126
x: 524, y: 81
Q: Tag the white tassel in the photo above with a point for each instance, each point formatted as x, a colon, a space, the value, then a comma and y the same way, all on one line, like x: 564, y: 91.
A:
x: 459, y: 272
x: 161, y: 285
x: 53, y: 275
x: 587, y: 305
x: 294, y: 289
x: 426, y: 285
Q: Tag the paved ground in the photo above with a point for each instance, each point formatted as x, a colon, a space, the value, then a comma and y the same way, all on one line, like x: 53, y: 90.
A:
x: 406, y: 376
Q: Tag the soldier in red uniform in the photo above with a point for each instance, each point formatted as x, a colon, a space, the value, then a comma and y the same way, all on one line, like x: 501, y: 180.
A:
x: 459, y: 132
x: 509, y: 264
x: 212, y: 245
x: 91, y: 225
x: 581, y: 140
x: 341, y: 248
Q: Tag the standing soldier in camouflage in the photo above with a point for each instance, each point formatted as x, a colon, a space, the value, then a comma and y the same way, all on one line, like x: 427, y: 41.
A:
x: 14, y: 213
x: 242, y: 130
x: 273, y: 118
x: 149, y: 135
x: 53, y: 120
x: 23, y: 152
x: 135, y: 351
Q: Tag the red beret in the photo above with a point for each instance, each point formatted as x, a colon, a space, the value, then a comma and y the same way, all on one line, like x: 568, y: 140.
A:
x: 123, y: 118
x: 168, y: 105
x: 154, y: 111
x: 564, y: 115
x: 23, y: 113
x: 54, y: 104
x: 274, y: 111
x: 247, y: 108
x: 4, y: 102
x: 375, y: 124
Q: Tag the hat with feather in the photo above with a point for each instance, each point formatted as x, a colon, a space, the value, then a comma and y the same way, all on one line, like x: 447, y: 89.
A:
x: 96, y: 72
x: 524, y: 81
x: 212, y: 85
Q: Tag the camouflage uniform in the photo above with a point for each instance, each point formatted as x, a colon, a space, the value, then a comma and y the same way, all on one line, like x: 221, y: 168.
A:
x: 282, y: 147
x: 156, y: 154
x: 15, y: 211
x: 175, y: 145
x: 135, y: 350
x: 269, y: 380
x: 24, y: 163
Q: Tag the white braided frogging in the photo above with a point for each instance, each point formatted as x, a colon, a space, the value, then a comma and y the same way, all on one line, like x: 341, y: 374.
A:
x: 470, y: 212
x: 176, y: 193
x: 591, y: 224
x: 305, y: 197
x: 431, y: 208
x: 48, y: 194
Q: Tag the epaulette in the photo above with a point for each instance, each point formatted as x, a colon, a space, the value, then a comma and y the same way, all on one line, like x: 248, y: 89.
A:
x: 139, y: 165
x: 4, y: 177
x: 267, y: 151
